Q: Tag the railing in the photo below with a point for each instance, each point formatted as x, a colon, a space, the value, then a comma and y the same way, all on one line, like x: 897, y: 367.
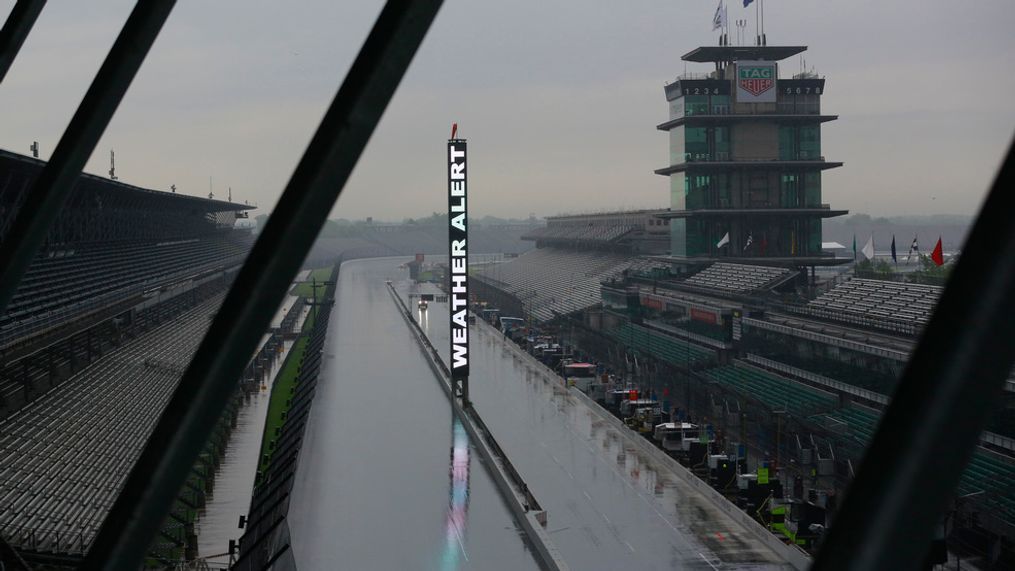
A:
x: 908, y: 328
x: 781, y: 109
x: 694, y: 75
x: 690, y: 335
x: 827, y: 339
x: 47, y: 540
x: 817, y: 379
x: 725, y: 156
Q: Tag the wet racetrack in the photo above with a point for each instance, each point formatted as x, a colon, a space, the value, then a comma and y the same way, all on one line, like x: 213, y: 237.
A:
x: 609, y: 506
x: 386, y: 478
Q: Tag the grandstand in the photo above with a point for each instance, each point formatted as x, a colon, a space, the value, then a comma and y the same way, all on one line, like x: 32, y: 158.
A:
x: 64, y: 457
x: 91, y: 347
x: 68, y: 284
x: 775, y: 392
x: 876, y: 299
x: 988, y: 474
x: 739, y: 277
x: 548, y: 282
x: 793, y: 367
x: 635, y: 231
x: 114, y: 249
x: 660, y: 346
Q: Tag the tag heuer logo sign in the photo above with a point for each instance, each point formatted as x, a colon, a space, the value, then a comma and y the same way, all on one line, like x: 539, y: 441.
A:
x: 756, y: 82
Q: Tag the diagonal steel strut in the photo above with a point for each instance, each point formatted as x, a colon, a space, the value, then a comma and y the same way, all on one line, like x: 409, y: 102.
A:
x: 46, y: 197
x: 203, y: 392
x: 931, y: 428
x: 12, y: 35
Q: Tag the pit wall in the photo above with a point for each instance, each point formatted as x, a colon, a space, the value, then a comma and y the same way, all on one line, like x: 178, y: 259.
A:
x: 515, y: 491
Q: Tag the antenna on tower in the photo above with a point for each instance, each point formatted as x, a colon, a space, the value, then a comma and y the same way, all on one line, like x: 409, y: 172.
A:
x: 112, y: 165
x: 230, y: 194
x: 35, y: 149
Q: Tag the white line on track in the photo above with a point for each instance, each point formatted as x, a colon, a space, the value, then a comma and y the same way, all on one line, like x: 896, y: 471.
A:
x: 705, y: 559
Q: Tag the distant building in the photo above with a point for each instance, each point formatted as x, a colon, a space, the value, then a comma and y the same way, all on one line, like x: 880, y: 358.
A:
x: 631, y: 231
x: 745, y: 159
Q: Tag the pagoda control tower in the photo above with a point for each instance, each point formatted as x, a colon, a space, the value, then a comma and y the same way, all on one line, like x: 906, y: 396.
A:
x: 745, y: 160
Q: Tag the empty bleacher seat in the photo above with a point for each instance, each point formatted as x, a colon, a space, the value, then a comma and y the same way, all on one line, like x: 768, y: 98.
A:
x: 859, y: 299
x: 738, y: 277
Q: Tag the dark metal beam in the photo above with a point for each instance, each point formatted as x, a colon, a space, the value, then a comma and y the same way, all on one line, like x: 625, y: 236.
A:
x: 43, y: 203
x: 950, y: 386
x: 12, y: 36
x: 260, y: 287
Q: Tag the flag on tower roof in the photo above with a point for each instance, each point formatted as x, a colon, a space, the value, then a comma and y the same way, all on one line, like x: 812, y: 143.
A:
x: 719, y: 20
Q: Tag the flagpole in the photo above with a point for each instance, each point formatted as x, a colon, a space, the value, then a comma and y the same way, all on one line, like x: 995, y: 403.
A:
x: 726, y: 22
x: 757, y: 25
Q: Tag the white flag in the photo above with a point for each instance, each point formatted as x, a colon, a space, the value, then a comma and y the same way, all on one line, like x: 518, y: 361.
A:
x: 725, y: 240
x: 868, y: 248
x: 914, y: 248
x: 719, y: 20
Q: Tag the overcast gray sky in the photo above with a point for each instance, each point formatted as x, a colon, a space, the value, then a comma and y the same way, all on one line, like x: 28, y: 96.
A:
x: 559, y: 99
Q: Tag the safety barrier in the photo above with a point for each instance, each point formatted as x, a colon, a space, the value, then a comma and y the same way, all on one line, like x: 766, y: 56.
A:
x: 515, y: 491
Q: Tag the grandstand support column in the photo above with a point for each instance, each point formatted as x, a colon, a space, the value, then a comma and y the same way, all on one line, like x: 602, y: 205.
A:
x: 51, y: 366
x: 72, y: 359
x: 26, y: 382
x: 88, y: 346
x: 778, y: 437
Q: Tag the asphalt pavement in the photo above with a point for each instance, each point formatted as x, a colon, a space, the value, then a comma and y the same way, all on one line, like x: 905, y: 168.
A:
x: 387, y: 478
x: 609, y: 506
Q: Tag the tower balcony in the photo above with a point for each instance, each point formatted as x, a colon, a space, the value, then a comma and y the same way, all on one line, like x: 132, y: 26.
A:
x: 724, y: 162
x: 724, y: 115
x: 818, y: 211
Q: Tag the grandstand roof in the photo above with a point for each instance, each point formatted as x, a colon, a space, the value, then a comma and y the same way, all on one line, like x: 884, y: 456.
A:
x: 748, y: 164
x: 822, y: 211
x: 706, y: 54
x: 725, y: 118
x: 598, y: 215
x: 639, y: 231
x: 12, y: 161
x: 580, y: 233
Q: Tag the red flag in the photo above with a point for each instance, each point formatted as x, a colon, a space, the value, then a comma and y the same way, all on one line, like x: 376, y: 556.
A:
x: 454, y: 130
x: 937, y: 255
